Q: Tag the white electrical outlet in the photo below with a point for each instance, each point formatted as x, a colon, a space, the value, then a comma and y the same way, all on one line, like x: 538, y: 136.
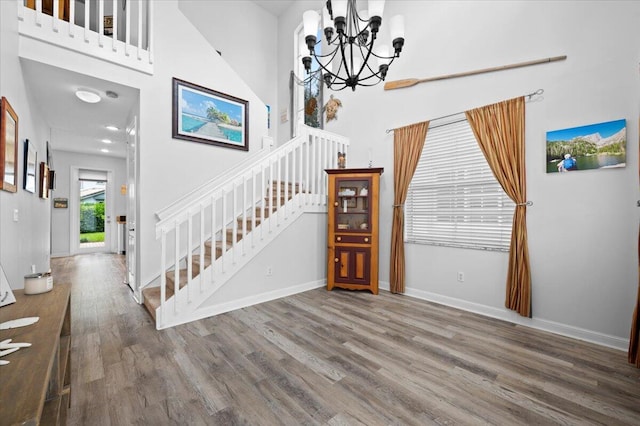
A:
x: 269, y: 271
x: 33, y: 269
x: 460, y: 276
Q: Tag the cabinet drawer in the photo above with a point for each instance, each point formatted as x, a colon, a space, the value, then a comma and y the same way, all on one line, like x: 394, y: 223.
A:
x: 353, y: 239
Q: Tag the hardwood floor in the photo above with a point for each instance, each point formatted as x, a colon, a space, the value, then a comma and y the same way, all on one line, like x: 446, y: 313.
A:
x: 328, y: 358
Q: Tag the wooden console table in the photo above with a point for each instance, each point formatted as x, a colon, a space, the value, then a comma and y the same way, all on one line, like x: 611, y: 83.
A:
x: 35, y: 386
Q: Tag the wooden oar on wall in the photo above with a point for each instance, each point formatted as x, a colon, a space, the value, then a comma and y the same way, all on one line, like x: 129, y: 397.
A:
x: 398, y: 84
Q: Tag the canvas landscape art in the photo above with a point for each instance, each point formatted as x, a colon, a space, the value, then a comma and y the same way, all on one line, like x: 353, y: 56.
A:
x: 206, y: 116
x: 595, y: 146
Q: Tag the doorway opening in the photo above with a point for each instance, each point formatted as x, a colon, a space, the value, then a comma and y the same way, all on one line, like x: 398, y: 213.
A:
x: 91, y: 206
x: 92, y: 195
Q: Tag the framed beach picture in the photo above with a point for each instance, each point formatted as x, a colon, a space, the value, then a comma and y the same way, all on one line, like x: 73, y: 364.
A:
x: 594, y: 146
x: 8, y: 147
x: 206, y: 116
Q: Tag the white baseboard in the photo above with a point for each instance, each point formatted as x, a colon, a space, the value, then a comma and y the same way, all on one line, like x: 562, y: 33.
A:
x: 59, y: 255
x: 598, y: 338
x: 222, y: 308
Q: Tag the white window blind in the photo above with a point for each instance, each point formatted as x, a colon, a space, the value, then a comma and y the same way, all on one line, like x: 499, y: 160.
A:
x: 454, y: 199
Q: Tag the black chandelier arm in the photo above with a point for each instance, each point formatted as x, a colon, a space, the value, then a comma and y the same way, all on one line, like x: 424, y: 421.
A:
x: 332, y: 57
x: 366, y: 58
x: 344, y: 61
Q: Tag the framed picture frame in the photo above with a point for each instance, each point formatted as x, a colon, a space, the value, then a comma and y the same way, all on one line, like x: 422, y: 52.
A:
x: 8, y: 147
x: 44, y: 180
x: 590, y: 147
x: 30, y: 162
x: 206, y: 116
x: 60, y: 203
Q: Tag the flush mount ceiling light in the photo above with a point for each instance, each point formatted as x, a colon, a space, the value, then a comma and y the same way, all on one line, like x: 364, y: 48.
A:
x: 107, y: 141
x: 104, y: 150
x: 88, y: 96
x: 112, y: 128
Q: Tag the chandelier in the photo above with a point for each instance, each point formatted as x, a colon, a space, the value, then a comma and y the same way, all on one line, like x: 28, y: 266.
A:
x: 354, y: 59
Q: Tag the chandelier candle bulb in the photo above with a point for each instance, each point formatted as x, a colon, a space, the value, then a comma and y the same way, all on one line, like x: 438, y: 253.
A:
x: 376, y: 7
x: 327, y: 22
x: 397, y: 32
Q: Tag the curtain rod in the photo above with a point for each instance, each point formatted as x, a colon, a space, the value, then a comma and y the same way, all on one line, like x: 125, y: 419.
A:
x: 530, y: 95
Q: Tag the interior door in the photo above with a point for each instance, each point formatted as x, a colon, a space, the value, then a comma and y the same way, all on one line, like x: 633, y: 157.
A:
x: 132, y: 173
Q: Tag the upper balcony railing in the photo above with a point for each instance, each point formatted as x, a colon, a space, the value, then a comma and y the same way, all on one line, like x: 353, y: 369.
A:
x: 119, y: 31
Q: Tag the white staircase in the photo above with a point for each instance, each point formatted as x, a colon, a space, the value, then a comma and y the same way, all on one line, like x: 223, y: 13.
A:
x: 212, y: 233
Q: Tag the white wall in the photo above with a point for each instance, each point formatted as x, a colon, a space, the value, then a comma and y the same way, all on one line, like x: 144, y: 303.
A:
x: 246, y: 35
x: 25, y: 242
x: 585, y: 287
x: 61, y: 218
x: 296, y: 258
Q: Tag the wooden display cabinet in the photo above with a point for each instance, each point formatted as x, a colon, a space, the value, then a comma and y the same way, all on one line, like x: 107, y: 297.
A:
x: 353, y: 229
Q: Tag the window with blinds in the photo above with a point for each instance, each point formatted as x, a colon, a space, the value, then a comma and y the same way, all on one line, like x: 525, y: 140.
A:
x: 454, y: 199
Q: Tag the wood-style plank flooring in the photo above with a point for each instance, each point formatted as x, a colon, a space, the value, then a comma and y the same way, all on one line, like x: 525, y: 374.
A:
x: 328, y: 358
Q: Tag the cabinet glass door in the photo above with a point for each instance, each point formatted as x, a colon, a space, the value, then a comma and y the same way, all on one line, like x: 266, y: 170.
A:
x: 352, y: 205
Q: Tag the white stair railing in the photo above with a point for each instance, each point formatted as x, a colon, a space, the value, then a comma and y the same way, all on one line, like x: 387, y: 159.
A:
x: 236, y: 216
x: 128, y: 40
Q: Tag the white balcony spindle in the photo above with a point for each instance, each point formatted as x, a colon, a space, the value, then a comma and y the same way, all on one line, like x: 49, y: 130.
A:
x: 127, y: 30
x: 72, y: 18
x: 87, y: 21
x: 114, y: 36
x: 21, y: 7
x: 101, y: 23
x: 39, y: 13
x: 150, y: 47
x: 55, y: 15
x: 139, y: 30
